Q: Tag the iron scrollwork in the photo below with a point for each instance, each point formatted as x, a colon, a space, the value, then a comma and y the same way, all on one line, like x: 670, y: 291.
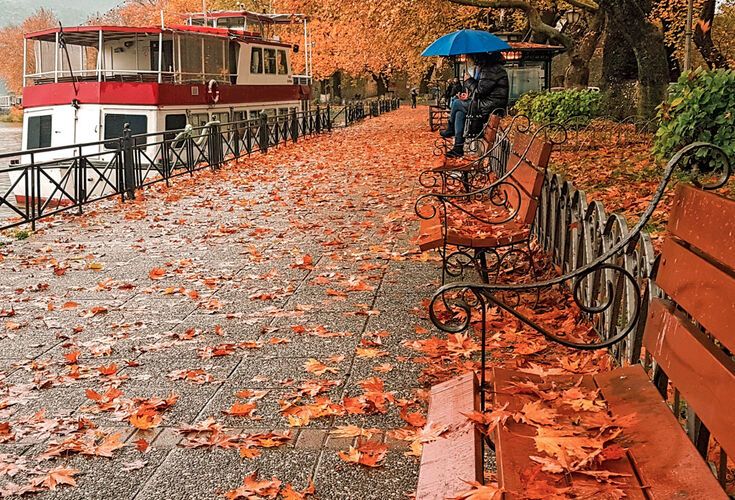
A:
x: 598, y: 286
x: 500, y: 194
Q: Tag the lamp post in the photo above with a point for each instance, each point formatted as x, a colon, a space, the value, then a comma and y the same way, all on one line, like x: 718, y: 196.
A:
x: 688, y: 37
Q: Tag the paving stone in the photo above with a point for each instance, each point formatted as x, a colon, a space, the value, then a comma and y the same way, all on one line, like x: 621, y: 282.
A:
x: 311, y: 439
x: 264, y: 373
x: 336, y: 479
x: 99, y: 477
x: 205, y: 474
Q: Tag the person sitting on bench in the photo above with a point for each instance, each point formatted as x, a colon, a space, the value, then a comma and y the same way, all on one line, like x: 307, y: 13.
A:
x: 487, y: 83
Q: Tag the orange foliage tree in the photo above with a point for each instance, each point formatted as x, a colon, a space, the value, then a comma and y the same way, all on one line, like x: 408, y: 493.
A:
x: 11, y: 47
x: 377, y: 38
x: 357, y: 37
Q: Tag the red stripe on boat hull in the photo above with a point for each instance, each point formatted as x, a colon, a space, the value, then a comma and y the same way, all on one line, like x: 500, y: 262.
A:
x: 155, y: 94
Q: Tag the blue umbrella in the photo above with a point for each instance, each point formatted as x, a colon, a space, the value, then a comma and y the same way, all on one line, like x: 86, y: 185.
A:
x: 465, y: 42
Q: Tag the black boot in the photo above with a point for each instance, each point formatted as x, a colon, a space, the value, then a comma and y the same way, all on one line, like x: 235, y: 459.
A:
x: 456, y: 152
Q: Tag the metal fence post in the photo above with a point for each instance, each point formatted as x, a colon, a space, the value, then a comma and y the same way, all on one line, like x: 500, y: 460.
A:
x: 329, y: 117
x: 81, y: 181
x: 318, y: 119
x: 294, y: 126
x: 237, y: 137
x: 128, y: 163
x: 219, y: 147
x: 249, y: 138
x: 32, y: 185
x: 263, y: 133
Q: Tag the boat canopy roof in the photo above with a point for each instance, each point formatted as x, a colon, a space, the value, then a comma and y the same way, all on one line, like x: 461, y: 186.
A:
x: 250, y: 16
x: 89, y: 35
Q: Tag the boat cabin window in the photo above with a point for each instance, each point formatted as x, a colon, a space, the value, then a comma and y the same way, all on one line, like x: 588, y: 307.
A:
x: 174, y: 122
x: 190, y: 52
x: 223, y: 117
x: 234, y: 53
x: 282, y: 63
x: 115, y: 123
x: 256, y: 61
x: 199, y: 119
x: 237, y: 23
x: 39, y: 132
x: 167, y: 58
x: 215, y: 65
x: 270, y: 61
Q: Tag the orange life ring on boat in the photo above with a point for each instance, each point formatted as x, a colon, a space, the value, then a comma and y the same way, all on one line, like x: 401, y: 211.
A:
x: 213, y: 91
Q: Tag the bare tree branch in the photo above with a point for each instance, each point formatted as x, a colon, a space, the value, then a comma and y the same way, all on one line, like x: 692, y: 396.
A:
x: 532, y: 13
x: 703, y: 37
x: 588, y: 5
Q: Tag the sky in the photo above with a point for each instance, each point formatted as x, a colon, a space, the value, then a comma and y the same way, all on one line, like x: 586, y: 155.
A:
x: 70, y: 12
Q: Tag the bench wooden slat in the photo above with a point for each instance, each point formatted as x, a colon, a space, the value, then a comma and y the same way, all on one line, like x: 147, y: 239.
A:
x: 705, y: 220
x: 491, y: 130
x: 702, y: 289
x: 529, y: 182
x: 455, y: 458
x: 704, y: 375
x: 668, y: 462
x: 514, y: 443
x: 538, y: 154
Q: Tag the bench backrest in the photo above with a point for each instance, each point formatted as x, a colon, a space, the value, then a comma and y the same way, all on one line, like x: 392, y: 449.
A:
x: 491, y: 130
x: 697, y: 273
x: 532, y: 157
x: 534, y: 150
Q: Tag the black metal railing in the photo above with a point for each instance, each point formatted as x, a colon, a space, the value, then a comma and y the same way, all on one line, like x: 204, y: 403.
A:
x: 48, y: 181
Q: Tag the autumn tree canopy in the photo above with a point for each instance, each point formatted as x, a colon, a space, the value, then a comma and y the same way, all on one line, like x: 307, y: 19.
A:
x: 11, y: 47
x: 386, y: 37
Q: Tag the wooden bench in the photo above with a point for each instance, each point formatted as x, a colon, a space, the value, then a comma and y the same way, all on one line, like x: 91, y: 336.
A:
x: 690, y: 334
x: 486, y: 143
x: 438, y: 116
x: 475, y: 223
x: 454, y: 458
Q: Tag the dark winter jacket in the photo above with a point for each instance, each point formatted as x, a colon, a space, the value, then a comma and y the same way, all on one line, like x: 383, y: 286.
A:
x: 491, y: 88
x: 452, y: 90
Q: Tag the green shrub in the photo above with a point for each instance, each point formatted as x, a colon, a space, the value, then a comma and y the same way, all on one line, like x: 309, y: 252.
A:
x: 545, y: 107
x: 700, y: 107
x: 22, y: 234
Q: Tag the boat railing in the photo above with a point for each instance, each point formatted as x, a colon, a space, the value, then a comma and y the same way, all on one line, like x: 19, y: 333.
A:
x: 125, y: 75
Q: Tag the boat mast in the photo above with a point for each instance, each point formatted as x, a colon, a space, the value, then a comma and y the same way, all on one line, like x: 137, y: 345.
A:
x: 25, y: 59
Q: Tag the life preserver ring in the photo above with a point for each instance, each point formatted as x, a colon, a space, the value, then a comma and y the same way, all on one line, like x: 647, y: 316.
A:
x: 213, y: 91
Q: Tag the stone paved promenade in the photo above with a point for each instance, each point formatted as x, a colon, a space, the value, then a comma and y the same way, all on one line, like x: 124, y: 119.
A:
x: 270, y: 297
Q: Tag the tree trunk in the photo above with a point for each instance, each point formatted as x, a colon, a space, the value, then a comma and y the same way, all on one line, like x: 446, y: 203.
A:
x: 382, y: 82
x: 618, y: 58
x: 631, y: 19
x: 578, y: 72
x: 337, y: 85
x: 703, y: 37
x: 424, y: 85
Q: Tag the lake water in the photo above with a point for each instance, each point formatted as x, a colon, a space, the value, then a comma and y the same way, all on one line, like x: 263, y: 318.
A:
x: 10, y: 137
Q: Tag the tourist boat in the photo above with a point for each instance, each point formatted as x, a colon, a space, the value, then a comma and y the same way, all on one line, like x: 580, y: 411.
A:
x: 84, y: 83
